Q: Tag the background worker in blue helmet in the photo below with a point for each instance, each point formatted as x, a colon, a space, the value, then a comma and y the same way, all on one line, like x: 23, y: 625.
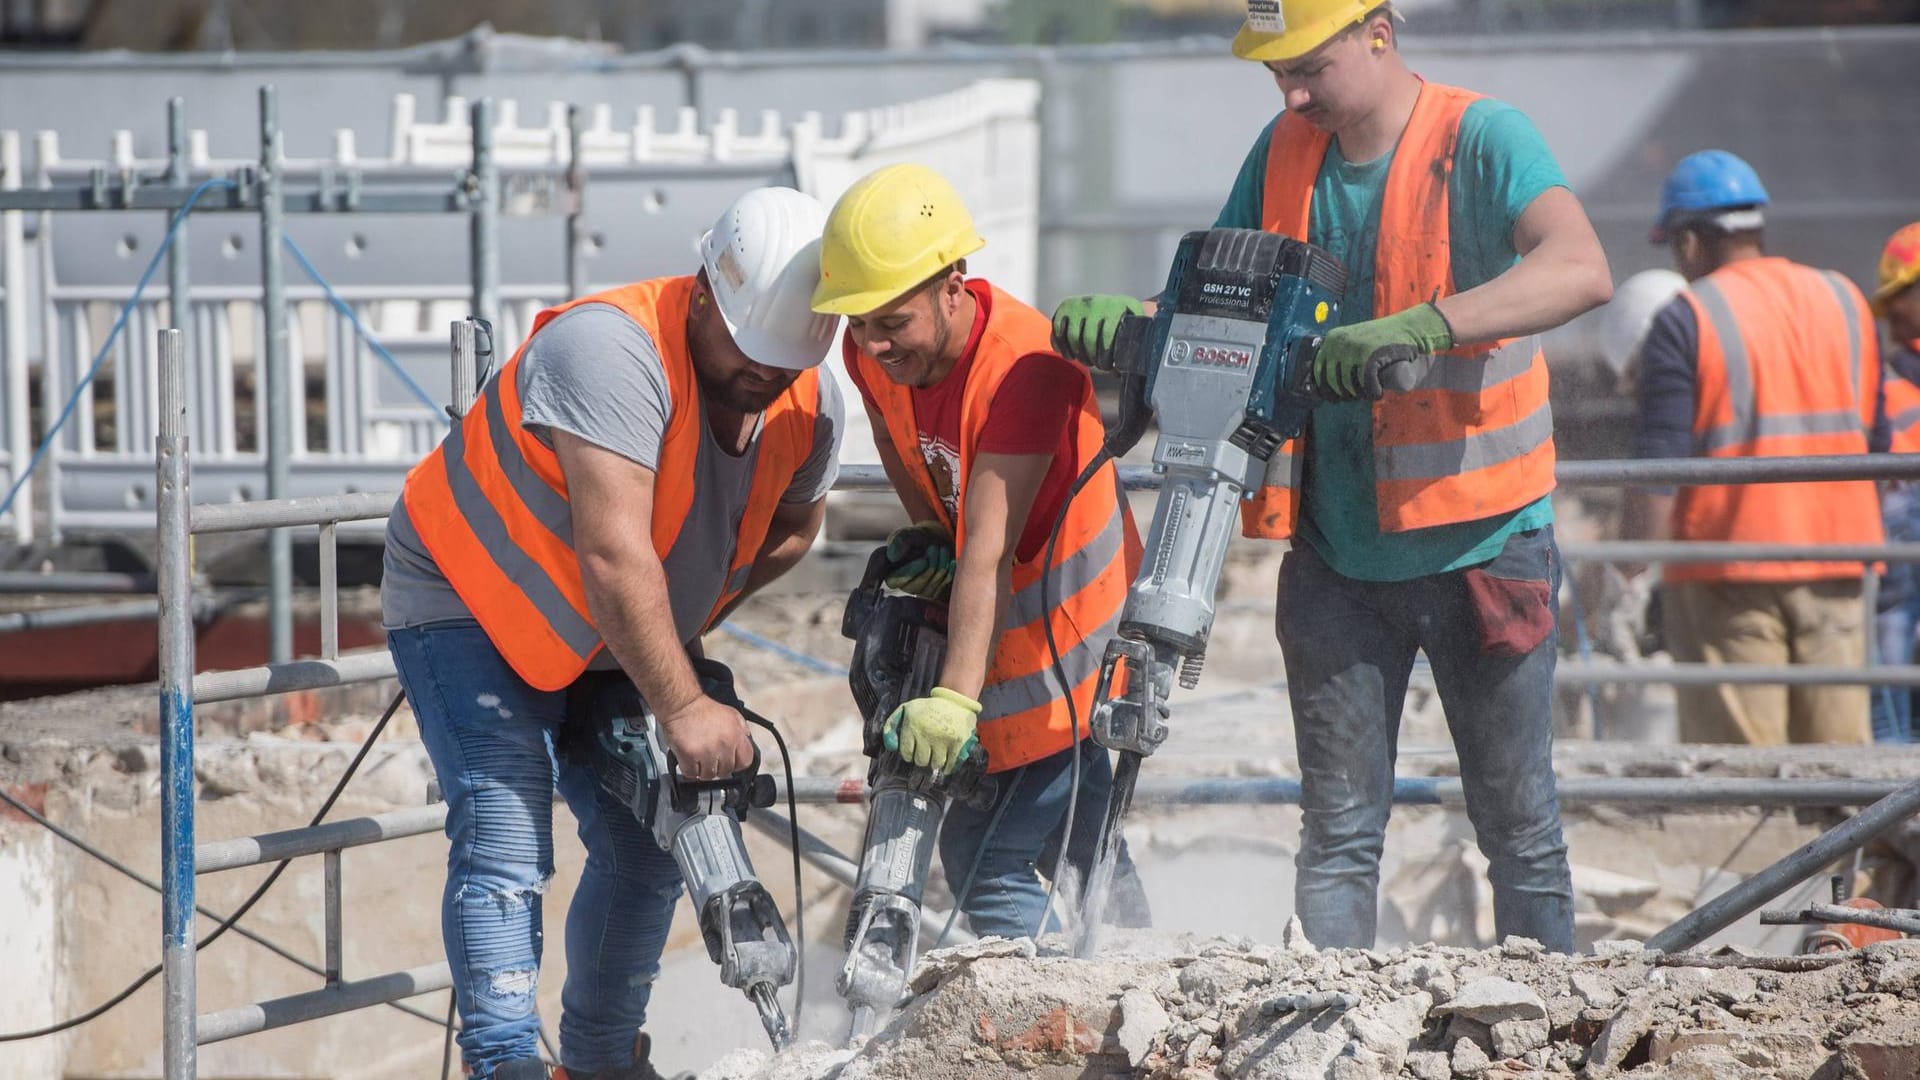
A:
x: 1760, y: 357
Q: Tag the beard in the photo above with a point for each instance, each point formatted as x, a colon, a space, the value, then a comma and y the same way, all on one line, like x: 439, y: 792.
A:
x: 742, y: 392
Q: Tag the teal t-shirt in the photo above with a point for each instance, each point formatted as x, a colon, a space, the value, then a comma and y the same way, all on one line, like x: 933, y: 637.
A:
x: 1502, y: 166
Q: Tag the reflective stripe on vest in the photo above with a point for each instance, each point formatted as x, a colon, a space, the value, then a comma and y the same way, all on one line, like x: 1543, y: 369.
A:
x: 1024, y: 716
x: 1474, y: 437
x: 1785, y: 366
x: 490, y: 503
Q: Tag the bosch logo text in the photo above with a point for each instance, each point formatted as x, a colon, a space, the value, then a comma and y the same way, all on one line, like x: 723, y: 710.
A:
x: 1222, y: 356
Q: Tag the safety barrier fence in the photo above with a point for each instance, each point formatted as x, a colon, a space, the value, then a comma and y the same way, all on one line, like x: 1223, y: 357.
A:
x: 183, y: 858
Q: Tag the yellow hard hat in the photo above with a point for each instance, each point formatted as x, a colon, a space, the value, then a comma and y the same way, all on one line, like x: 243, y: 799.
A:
x: 1899, y: 266
x: 1289, y: 29
x: 893, y: 229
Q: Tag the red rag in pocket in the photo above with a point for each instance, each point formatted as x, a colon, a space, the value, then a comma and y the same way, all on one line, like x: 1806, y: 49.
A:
x: 1515, y: 615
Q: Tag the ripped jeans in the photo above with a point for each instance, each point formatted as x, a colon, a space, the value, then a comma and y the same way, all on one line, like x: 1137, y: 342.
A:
x: 491, y: 738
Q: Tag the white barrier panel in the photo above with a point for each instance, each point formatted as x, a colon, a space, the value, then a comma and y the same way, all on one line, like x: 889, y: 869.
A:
x: 653, y: 187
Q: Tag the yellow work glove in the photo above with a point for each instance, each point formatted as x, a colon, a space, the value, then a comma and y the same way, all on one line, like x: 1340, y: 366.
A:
x: 936, y: 731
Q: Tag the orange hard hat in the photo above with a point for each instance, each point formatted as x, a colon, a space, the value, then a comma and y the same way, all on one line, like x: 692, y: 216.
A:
x: 1899, y: 265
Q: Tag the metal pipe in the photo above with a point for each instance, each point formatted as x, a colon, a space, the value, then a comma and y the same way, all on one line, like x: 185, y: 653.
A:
x: 1447, y: 791
x: 279, y: 380
x: 1902, y: 920
x: 330, y: 913
x: 1811, y: 858
x: 576, y: 206
x: 13, y: 347
x: 1663, y: 472
x: 273, y: 847
x: 329, y: 590
x: 368, y: 666
x: 484, y: 247
x: 173, y: 496
x: 1703, y: 551
x: 307, y: 510
x: 317, y: 1004
x: 74, y: 581
x: 179, y: 285
x: 1607, y: 672
x: 15, y: 622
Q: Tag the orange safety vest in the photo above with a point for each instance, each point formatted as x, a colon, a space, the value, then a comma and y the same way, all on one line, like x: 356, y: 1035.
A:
x: 490, y: 503
x: 1903, y: 407
x: 1787, y: 365
x: 1024, y: 715
x: 1474, y: 437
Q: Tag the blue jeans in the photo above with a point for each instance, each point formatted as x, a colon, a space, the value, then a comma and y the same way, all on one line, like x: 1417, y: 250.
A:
x: 1007, y: 896
x: 1349, y: 647
x: 1899, y: 606
x: 491, y: 738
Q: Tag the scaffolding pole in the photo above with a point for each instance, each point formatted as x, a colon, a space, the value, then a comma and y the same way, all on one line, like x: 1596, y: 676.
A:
x: 176, y: 716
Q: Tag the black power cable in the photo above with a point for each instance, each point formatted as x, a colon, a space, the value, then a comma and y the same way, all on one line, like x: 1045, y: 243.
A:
x: 230, y: 921
x: 1061, y: 860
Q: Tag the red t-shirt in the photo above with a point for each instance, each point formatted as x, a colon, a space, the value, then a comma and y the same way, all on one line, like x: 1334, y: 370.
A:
x: 1036, y: 411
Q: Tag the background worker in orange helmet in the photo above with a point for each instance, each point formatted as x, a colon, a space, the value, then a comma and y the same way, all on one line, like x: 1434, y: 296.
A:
x: 1420, y: 522
x: 1897, y: 301
x: 982, y: 429
x: 1760, y: 357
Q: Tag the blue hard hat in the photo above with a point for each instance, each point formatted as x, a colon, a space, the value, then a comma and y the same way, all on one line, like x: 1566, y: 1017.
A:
x: 1705, y: 182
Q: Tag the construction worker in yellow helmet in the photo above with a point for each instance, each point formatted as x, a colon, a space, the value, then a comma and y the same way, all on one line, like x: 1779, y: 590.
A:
x: 1420, y: 522
x: 982, y: 429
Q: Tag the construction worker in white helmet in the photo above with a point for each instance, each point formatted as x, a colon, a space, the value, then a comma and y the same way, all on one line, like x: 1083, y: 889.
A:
x: 650, y: 456
x: 1420, y: 522
x: 982, y: 429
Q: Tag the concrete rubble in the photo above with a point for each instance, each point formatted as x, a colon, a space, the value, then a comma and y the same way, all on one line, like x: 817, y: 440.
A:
x: 1180, y: 1007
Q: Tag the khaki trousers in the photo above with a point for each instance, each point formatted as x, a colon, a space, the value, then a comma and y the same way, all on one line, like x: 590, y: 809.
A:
x: 1808, y: 622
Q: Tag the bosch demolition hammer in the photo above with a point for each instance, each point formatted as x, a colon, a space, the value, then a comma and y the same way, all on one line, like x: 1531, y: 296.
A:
x: 900, y: 641
x: 698, y: 821
x: 1223, y: 366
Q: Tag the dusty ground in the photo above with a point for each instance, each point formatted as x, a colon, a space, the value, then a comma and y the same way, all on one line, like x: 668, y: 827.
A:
x: 1162, y: 1007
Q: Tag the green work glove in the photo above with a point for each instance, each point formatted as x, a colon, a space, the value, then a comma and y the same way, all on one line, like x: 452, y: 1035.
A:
x: 1349, y: 363
x: 936, y: 731
x: 922, y: 559
x: 1084, y: 326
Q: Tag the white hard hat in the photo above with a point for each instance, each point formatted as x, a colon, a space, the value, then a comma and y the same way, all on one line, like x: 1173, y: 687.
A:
x: 763, y: 261
x: 1629, y: 315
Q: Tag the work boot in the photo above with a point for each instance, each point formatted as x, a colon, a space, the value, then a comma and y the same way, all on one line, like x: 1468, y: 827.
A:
x: 521, y: 1069
x: 641, y: 1069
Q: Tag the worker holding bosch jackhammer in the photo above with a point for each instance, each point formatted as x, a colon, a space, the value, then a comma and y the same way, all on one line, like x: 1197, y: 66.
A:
x: 1420, y: 522
x: 982, y: 429
x: 649, y: 456
x: 1760, y: 357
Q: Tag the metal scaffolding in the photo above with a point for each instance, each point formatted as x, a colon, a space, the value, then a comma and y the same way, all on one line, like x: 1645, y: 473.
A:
x: 183, y: 857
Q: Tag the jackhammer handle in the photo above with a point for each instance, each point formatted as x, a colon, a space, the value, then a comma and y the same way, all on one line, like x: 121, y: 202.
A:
x: 1129, y: 342
x: 1392, y: 368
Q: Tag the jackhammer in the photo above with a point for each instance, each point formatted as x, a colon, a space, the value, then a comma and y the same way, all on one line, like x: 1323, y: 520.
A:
x: 900, y: 641
x: 698, y: 821
x: 1223, y: 366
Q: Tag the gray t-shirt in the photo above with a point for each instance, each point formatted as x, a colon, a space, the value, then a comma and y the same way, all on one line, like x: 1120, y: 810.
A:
x: 594, y: 373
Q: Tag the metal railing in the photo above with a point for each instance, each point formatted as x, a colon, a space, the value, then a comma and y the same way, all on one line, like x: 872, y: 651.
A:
x: 179, y: 519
